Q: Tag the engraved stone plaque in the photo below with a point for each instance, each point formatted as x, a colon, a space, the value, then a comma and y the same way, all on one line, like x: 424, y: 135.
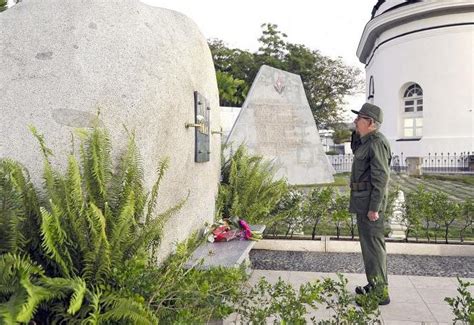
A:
x: 202, y: 138
x: 276, y: 122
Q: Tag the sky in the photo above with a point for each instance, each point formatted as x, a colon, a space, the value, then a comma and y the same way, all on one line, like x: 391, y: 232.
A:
x: 333, y: 27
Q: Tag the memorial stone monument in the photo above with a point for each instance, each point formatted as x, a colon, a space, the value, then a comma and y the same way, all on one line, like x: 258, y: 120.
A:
x: 276, y: 122
x: 147, y: 68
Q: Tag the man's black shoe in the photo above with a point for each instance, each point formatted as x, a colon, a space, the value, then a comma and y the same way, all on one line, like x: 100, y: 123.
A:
x: 384, y: 302
x: 363, y: 290
x: 362, y: 300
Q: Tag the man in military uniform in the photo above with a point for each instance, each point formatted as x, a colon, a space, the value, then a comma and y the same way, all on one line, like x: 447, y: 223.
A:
x: 369, y: 186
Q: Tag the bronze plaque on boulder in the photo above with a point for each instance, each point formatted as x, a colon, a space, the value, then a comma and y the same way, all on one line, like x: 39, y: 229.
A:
x: 201, y: 112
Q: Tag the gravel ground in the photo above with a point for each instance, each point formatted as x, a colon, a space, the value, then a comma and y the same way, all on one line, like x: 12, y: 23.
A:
x: 442, y: 266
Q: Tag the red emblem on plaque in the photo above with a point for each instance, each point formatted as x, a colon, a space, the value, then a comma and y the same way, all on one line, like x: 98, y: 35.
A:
x: 279, y: 84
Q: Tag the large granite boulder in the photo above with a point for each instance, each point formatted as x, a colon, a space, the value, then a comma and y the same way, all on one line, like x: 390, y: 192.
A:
x: 63, y: 60
x: 276, y: 122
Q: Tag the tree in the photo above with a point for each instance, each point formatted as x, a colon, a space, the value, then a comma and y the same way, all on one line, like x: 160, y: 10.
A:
x: 341, y: 134
x: 289, y: 212
x: 231, y: 90
x: 351, y: 224
x: 466, y: 217
x: 318, y: 206
x: 326, y: 80
x: 241, y: 65
x: 444, y: 212
x: 273, y: 47
x: 341, y: 214
x: 420, y: 207
x: 413, y: 212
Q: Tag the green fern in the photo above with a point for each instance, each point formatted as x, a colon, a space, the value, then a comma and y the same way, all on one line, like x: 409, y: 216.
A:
x: 162, y: 167
x: 11, y: 208
x: 54, y: 240
x: 149, y: 235
x: 97, y: 166
x: 18, y: 209
x: 75, y: 205
x: 248, y: 189
x: 94, y: 307
x: 129, y: 178
x: 93, y: 221
x: 25, y: 287
x: 126, y: 309
x: 97, y: 261
x: 122, y: 229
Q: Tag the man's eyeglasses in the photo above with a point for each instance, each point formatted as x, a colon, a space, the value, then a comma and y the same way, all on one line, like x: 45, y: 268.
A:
x: 363, y: 117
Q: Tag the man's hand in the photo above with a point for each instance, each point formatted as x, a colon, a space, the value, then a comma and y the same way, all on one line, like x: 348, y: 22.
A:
x: 373, y: 215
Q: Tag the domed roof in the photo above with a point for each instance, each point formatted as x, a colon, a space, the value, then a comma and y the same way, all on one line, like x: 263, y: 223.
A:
x: 382, y: 6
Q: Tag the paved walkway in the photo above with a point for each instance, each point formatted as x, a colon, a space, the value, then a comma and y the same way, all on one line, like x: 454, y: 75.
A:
x: 414, y: 299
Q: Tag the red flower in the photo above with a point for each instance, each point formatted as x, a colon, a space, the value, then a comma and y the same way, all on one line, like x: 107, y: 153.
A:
x: 247, y: 232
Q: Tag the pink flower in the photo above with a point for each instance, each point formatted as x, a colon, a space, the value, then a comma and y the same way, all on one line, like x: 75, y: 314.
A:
x: 247, y: 232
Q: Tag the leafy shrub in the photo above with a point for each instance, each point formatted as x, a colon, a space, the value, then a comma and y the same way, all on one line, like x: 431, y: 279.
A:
x: 282, y: 304
x: 192, y: 296
x: 340, y: 215
x: 93, y: 223
x: 318, y: 206
x: 247, y: 189
x: 468, y: 219
x: 432, y: 213
x: 462, y: 305
x: 289, y: 213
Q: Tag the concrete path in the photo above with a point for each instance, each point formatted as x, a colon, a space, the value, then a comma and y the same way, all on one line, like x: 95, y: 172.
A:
x: 414, y: 299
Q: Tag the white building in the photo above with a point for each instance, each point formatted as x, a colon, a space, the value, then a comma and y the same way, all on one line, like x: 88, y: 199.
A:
x: 419, y: 68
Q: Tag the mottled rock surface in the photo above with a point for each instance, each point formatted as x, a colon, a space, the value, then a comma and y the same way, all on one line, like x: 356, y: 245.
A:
x: 63, y: 60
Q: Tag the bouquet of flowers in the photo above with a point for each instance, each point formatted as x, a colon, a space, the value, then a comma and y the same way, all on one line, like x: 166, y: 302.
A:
x: 232, y: 228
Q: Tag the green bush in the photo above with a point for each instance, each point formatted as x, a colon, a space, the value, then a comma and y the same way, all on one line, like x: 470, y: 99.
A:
x: 340, y: 215
x: 433, y: 214
x: 318, y: 206
x: 248, y: 189
x: 64, y: 251
x: 288, y: 216
x: 462, y: 305
x: 467, y: 218
x: 179, y: 295
x: 282, y: 304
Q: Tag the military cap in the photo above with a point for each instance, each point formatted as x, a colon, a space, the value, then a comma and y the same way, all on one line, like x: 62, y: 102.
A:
x: 371, y: 111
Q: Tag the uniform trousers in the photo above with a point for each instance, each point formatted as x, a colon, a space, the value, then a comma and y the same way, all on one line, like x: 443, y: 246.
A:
x: 372, y: 244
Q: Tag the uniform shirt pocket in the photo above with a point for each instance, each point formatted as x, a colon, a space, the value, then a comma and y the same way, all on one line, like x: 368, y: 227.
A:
x: 361, y: 162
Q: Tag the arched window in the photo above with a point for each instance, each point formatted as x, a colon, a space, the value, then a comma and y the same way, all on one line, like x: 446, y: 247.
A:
x: 413, y: 111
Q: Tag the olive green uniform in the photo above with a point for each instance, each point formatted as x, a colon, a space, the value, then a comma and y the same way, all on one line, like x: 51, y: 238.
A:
x: 369, y: 187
